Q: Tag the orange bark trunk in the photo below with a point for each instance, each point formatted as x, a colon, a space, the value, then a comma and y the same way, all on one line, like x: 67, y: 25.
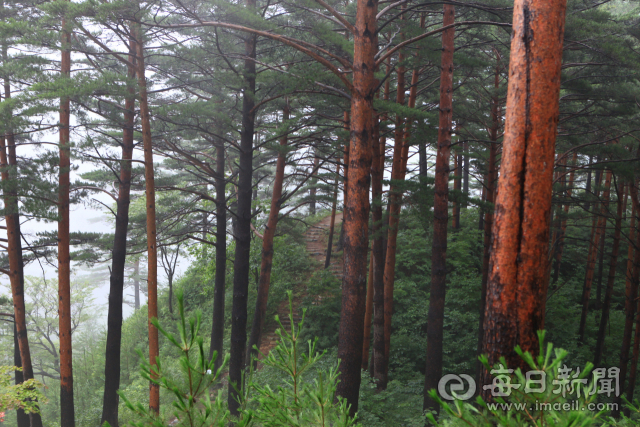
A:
x: 67, y: 413
x: 518, y: 280
x: 356, y: 212
x: 150, y: 194
x: 267, y: 249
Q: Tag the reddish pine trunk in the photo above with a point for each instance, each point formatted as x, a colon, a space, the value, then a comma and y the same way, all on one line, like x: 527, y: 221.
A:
x: 356, y: 212
x: 150, y: 194
x: 591, y: 260
x: 563, y: 223
x: 604, y: 316
x: 217, y: 324
x: 67, y: 415
x: 14, y: 251
x: 375, y: 219
x: 518, y: 280
x: 488, y: 191
x: 22, y: 417
x: 395, y: 198
x: 631, y: 292
x: 267, y: 249
x: 118, y: 259
x: 433, y: 370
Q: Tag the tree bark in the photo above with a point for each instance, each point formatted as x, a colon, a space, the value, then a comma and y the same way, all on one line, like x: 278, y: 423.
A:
x: 435, y: 316
x: 67, y: 413
x: 118, y: 259
x: 356, y: 211
x: 456, y: 190
x: 217, y: 326
x: 255, y: 338
x: 604, y: 316
x: 136, y: 285
x: 332, y: 223
x: 518, y: 279
x: 591, y: 260
x: 489, y: 194
x: 150, y: 194
x: 313, y: 191
x: 22, y: 417
x: 465, y: 175
x: 9, y: 163
x: 375, y: 206
x: 395, y: 200
x: 241, y: 264
x: 631, y: 293
x: 563, y: 223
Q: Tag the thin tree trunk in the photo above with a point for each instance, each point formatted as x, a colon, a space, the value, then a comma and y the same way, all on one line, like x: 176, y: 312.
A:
x: 8, y: 162
x: 435, y: 317
x: 375, y: 166
x: 313, y: 191
x: 635, y: 279
x: 395, y: 199
x: 255, y: 338
x: 356, y: 211
x: 22, y: 417
x: 345, y: 184
x: 456, y: 191
x: 150, y: 194
x: 518, y: 279
x: 217, y: 326
x: 591, y: 260
x: 563, y: 224
x: 601, y: 250
x: 67, y: 413
x: 489, y: 192
x: 604, y: 316
x: 118, y: 259
x: 481, y: 210
x: 631, y: 293
x: 378, y: 363
x: 332, y: 224
x: 465, y: 175
x: 241, y: 263
x: 136, y: 285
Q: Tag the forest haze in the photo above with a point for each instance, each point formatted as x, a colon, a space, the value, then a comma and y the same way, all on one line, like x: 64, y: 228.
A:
x: 319, y: 213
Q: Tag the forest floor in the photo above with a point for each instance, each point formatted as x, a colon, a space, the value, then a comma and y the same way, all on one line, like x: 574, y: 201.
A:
x: 317, y: 239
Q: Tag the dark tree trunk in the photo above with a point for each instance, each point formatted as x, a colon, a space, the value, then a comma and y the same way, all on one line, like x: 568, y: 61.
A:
x: 356, y: 212
x: 313, y: 191
x: 375, y: 207
x: 136, y: 285
x: 518, y: 273
x: 435, y: 317
x: 604, y: 316
x: 465, y: 176
x: 67, y: 412
x: 150, y: 195
x: 241, y: 263
x: 332, y: 224
x: 457, y: 162
x: 591, y: 259
x: 601, y: 250
x: 631, y: 293
x: 22, y: 417
x: 119, y: 254
x: 267, y: 250
x: 217, y: 326
x: 563, y: 223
